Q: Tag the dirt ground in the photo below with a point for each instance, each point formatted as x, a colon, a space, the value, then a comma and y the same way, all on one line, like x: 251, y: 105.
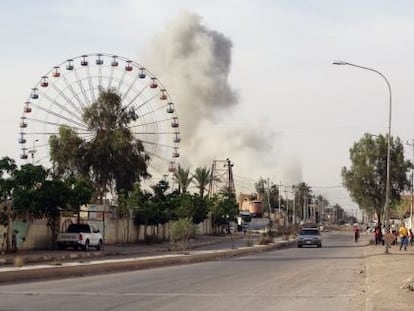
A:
x: 389, y: 278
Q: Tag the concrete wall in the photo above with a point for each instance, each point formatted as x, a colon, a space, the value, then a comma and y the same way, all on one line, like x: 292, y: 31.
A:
x: 36, y: 234
x: 30, y: 234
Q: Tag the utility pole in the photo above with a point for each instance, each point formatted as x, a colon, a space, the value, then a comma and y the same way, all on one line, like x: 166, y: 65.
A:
x: 230, y: 182
x: 304, y: 207
x: 280, y: 198
x: 221, y: 177
x: 294, y: 210
x: 268, y: 202
x: 287, y: 204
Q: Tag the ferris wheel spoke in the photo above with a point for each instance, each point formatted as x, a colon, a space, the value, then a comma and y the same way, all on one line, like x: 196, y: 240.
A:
x: 149, y: 123
x: 121, y: 81
x: 60, y: 116
x: 155, y: 133
x: 92, y: 89
x: 57, y: 104
x: 68, y: 100
x: 100, y: 77
x: 79, y: 82
x: 75, y: 95
x: 156, y: 155
x: 151, y: 143
x: 55, y: 124
x: 130, y: 87
x: 146, y: 102
x: 111, y: 77
x: 135, y: 97
x: 151, y: 112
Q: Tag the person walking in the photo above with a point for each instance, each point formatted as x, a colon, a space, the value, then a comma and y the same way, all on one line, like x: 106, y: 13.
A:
x: 378, y: 235
x: 356, y: 234
x: 403, y: 237
x: 411, y: 236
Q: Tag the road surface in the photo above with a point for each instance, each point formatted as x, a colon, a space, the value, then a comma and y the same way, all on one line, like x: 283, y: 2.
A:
x: 327, y: 278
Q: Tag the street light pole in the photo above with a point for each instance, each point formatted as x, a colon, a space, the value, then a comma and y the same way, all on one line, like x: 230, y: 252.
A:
x: 387, y: 185
x: 268, y: 202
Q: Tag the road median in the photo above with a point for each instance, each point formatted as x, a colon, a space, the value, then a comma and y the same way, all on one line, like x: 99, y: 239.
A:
x: 91, y: 267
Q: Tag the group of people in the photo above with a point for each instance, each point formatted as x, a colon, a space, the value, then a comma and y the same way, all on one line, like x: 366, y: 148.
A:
x: 406, y: 236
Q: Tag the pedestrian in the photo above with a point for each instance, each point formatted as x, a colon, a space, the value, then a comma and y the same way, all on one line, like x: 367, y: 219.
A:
x: 403, y: 237
x: 378, y: 235
x: 356, y: 234
x: 411, y: 236
x: 395, y: 233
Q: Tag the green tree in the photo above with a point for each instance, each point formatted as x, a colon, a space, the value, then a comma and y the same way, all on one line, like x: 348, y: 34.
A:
x: 366, y: 178
x: 112, y: 158
x: 138, y: 202
x: 49, y: 200
x: 303, y: 193
x: 260, y: 186
x: 146, y: 210
x: 183, y: 178
x: 162, y: 202
x: 66, y: 149
x: 323, y: 203
x: 202, y: 178
x: 223, y: 208
x: 191, y: 206
x: 28, y: 179
x: 113, y: 154
x: 81, y: 191
x: 38, y: 195
x: 7, y: 185
x: 269, y: 192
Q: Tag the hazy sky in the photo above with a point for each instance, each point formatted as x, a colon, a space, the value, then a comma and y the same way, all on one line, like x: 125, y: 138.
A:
x: 276, y: 106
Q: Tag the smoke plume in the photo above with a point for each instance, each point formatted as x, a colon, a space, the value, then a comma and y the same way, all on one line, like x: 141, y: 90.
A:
x: 194, y: 62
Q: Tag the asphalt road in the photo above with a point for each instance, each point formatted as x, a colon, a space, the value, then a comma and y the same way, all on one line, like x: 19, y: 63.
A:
x: 329, y: 278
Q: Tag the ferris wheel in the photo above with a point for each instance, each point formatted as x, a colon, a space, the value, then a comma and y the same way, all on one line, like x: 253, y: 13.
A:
x: 61, y: 95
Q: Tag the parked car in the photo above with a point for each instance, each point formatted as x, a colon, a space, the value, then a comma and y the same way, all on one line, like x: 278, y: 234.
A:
x: 309, y: 236
x: 80, y: 235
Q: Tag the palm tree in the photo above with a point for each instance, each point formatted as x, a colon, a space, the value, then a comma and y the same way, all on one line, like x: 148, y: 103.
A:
x: 322, y: 204
x: 302, y: 193
x: 183, y: 178
x: 202, y: 178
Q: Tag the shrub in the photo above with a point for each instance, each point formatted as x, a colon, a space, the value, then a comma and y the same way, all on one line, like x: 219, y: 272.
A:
x: 18, y: 261
x: 181, y: 232
x: 249, y: 243
x: 265, y: 239
x: 288, y: 231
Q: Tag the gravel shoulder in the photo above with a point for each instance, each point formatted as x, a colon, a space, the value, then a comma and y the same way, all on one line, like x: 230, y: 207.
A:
x: 388, y: 278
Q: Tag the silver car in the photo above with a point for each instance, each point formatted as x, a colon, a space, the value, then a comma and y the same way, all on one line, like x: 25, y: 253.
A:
x: 309, y: 236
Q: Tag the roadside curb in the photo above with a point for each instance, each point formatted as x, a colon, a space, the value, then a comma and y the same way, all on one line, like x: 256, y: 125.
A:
x: 27, y: 273
x: 35, y: 259
x: 58, y: 256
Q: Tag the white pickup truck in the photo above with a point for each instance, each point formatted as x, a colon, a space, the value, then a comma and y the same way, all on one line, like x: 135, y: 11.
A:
x: 80, y: 235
